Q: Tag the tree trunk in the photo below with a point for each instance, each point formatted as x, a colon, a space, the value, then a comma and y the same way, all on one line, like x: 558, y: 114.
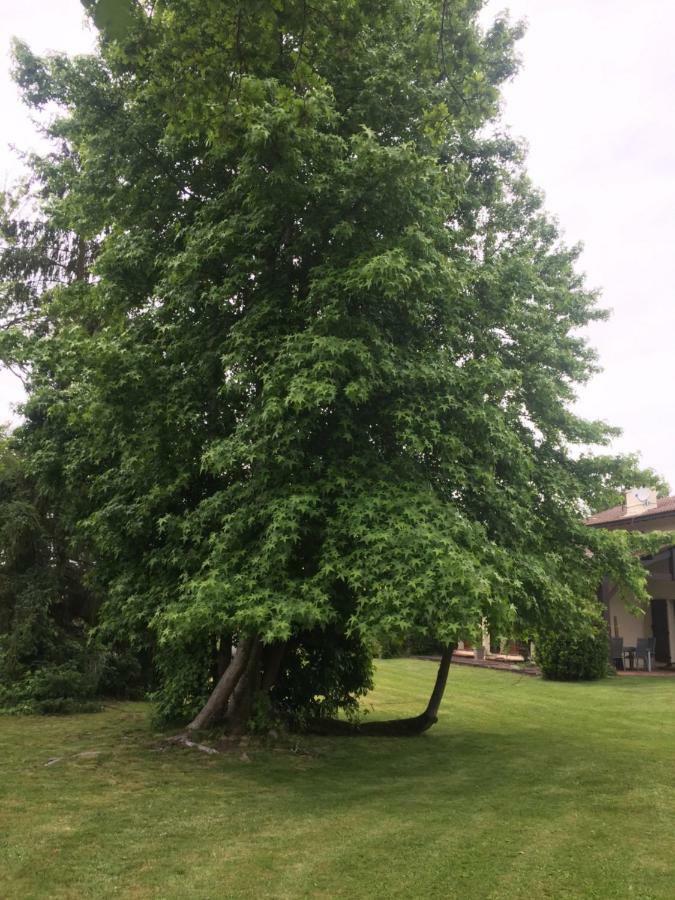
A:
x: 273, y: 656
x: 241, y: 702
x: 217, y: 702
x: 431, y: 712
x: 224, y: 655
x: 396, y: 727
x: 260, y: 675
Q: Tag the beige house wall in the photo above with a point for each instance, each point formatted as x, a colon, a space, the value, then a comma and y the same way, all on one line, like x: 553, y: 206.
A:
x: 622, y: 622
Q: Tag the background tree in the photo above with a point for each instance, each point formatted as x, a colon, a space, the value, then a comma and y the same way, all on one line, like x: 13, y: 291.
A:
x: 44, y: 608
x: 310, y: 381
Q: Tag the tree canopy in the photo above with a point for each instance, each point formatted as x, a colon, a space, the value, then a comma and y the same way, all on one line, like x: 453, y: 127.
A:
x: 301, y: 343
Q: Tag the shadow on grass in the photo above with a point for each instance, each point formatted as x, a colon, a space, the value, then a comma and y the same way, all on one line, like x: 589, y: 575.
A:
x: 520, y: 788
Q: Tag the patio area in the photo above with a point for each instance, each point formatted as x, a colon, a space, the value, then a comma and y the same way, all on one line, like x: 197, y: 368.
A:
x: 518, y: 666
x: 659, y: 672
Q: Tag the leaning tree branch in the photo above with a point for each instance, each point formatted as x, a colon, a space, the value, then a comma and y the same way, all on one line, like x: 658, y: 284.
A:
x: 395, y: 727
x: 223, y: 690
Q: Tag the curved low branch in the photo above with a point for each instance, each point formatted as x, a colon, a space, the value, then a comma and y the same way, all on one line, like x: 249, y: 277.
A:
x: 395, y: 727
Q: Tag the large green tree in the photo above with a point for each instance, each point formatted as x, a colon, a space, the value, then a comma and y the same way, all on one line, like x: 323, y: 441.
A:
x: 301, y: 362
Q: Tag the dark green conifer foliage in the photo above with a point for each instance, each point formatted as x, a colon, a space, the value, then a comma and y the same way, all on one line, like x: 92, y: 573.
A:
x: 310, y: 362
x: 44, y: 607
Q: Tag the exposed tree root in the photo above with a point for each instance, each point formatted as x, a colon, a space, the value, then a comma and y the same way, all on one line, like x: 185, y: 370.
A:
x: 184, y: 741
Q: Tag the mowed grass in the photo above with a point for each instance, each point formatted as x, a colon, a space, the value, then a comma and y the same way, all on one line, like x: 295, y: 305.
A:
x: 524, y: 789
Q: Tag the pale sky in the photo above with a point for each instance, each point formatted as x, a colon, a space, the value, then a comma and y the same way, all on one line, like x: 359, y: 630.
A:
x: 593, y: 100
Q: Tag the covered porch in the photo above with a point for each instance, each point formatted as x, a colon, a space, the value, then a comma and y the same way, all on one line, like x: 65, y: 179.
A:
x: 656, y: 623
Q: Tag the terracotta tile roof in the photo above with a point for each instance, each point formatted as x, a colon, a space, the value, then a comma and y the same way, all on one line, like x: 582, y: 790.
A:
x: 618, y: 513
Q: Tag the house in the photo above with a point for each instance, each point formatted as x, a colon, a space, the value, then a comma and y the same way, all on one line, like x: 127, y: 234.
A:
x: 642, y: 510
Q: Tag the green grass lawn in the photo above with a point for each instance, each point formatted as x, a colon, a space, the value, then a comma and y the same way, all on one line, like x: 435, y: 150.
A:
x: 524, y: 789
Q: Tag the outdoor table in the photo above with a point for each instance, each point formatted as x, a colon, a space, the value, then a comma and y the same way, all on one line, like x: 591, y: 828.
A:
x: 631, y: 651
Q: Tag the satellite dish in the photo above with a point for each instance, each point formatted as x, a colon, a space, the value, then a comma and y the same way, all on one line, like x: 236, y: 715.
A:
x: 643, y: 495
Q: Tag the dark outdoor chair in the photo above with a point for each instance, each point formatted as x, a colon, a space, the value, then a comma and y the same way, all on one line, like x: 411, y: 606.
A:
x: 617, y: 652
x: 645, y: 652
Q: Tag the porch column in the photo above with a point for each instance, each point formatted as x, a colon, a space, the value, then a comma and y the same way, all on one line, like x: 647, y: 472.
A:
x: 670, y: 606
x: 603, y: 597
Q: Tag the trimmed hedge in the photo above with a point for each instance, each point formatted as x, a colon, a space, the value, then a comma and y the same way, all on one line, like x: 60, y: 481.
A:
x: 573, y: 656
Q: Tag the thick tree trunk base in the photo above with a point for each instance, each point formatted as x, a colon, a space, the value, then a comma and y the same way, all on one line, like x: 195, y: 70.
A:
x: 241, y: 702
x: 239, y: 684
x: 216, y: 705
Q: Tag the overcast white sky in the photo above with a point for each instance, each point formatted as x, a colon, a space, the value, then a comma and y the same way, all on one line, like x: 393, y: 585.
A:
x: 594, y: 102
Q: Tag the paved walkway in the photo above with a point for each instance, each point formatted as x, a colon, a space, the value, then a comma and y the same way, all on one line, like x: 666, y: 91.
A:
x: 503, y: 665
x: 640, y: 673
x: 520, y: 668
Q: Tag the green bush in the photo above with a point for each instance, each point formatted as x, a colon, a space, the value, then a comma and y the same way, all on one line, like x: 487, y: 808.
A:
x: 120, y: 675
x: 389, y: 647
x: 573, y: 655
x: 184, y: 672
x: 322, y: 673
x: 50, y: 690
x: 48, y: 686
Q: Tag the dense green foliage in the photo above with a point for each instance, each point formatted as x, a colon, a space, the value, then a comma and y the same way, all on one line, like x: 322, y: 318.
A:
x: 50, y: 659
x: 44, y: 608
x: 300, y: 340
x: 579, y: 654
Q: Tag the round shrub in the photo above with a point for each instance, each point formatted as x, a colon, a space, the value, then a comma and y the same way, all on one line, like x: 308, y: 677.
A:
x: 573, y: 655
